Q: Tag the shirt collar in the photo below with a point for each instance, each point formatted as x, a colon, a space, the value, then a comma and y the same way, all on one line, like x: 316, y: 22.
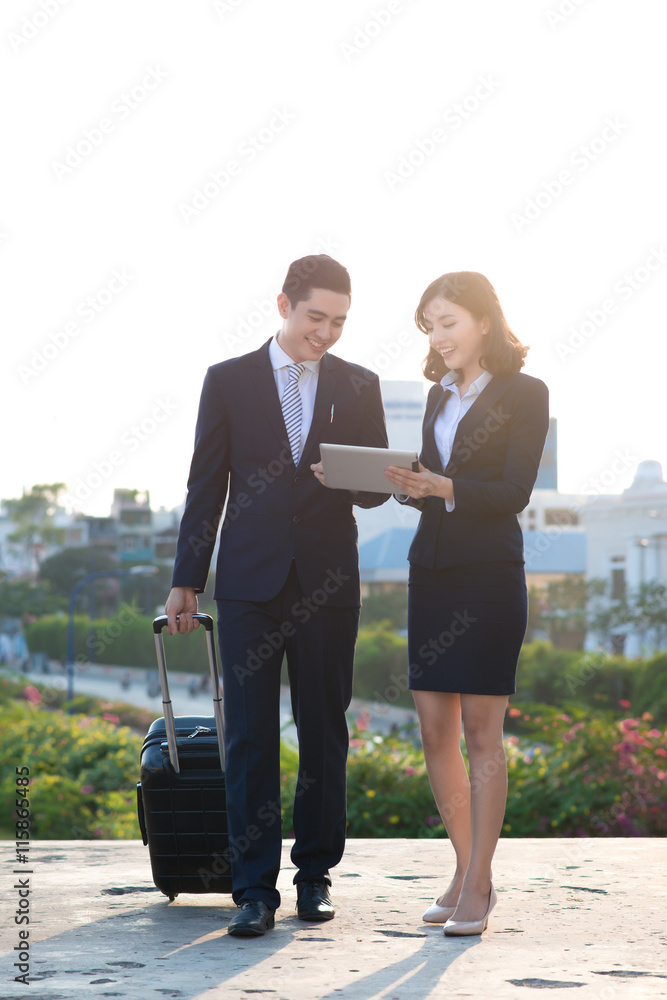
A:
x: 474, y: 388
x: 279, y: 359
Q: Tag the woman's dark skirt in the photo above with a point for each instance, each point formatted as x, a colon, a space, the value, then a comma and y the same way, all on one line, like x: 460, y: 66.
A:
x: 466, y: 625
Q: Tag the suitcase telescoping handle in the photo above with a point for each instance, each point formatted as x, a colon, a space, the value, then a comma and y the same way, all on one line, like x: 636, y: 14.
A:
x: 206, y: 620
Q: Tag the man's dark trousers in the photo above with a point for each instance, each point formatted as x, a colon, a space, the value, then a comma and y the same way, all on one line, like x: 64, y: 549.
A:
x: 318, y: 641
x: 277, y: 516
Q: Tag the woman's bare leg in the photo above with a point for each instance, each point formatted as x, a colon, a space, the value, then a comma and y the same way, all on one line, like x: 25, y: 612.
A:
x: 483, y: 717
x: 440, y: 724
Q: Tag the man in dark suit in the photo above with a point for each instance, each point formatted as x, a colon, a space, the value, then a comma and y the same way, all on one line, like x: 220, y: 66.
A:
x: 287, y: 580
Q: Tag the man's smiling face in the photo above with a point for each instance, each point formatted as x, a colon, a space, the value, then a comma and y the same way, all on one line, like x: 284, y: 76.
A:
x: 313, y: 325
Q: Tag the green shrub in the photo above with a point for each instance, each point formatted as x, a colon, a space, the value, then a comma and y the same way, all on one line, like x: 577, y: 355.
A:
x: 556, y: 677
x: 388, y: 793
x: 600, y: 777
x: 11, y: 688
x: 561, y: 677
x: 119, y: 712
x: 18, y: 689
x: 649, y: 691
x: 571, y: 777
x: 83, y: 772
x: 381, y: 665
x: 289, y: 769
x: 127, y: 640
x: 386, y: 605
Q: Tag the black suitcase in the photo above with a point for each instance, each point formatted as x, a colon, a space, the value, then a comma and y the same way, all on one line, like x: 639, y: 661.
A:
x: 181, y: 795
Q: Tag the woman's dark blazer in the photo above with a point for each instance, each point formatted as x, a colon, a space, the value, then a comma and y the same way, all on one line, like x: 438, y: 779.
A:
x: 493, y: 465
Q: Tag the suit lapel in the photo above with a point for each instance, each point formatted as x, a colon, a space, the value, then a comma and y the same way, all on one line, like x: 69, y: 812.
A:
x: 486, y: 400
x: 326, y: 386
x: 265, y: 384
x: 430, y: 454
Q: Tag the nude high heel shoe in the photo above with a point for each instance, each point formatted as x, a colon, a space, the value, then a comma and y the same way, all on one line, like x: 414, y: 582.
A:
x: 459, y: 928
x: 437, y: 914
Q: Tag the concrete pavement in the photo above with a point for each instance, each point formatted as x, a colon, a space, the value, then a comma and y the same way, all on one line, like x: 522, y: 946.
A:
x: 579, y: 918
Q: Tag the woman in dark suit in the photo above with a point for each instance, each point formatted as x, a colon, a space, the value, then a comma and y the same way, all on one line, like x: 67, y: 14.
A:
x: 484, y: 431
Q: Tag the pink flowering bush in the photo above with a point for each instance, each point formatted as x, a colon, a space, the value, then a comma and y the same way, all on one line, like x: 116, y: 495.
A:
x: 599, y: 777
x: 571, y: 774
x: 388, y: 794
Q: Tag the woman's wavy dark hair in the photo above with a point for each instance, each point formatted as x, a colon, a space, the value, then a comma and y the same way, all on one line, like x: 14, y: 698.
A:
x: 471, y: 290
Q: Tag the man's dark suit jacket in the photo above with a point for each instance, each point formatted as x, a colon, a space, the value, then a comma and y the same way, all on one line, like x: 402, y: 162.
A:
x: 493, y: 465
x: 275, y: 512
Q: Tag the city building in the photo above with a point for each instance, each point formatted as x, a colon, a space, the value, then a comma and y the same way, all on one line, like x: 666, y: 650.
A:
x: 165, y: 534
x: 23, y: 558
x: 131, y: 510
x: 627, y: 546
x: 547, y: 474
x: 404, y: 405
x: 14, y: 559
x: 619, y: 539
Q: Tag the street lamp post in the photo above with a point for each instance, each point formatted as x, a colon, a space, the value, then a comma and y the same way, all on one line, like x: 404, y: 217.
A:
x: 133, y: 571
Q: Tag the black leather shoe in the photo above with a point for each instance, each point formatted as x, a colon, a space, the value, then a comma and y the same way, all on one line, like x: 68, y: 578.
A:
x: 313, y: 900
x: 254, y: 918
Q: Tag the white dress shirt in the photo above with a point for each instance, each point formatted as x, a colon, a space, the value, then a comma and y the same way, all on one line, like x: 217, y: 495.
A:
x: 452, y: 413
x: 280, y: 362
x: 449, y: 418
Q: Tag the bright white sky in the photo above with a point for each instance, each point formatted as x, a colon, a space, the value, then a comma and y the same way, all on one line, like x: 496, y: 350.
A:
x: 171, y: 91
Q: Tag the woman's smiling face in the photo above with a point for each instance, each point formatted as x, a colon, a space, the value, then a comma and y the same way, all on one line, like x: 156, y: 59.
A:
x: 456, y: 335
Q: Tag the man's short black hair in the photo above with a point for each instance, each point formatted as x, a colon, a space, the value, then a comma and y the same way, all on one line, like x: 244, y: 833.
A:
x: 315, y: 271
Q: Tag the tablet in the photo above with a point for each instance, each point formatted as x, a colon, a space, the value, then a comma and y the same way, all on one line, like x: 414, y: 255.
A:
x: 347, y: 467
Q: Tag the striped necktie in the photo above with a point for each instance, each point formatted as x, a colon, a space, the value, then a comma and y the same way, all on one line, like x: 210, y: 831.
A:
x: 291, y: 404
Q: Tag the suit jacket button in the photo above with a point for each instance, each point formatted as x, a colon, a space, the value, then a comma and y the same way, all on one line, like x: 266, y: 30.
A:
x: 295, y: 519
x: 297, y: 480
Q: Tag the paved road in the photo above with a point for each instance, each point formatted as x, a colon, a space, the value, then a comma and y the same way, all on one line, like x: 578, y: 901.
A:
x: 105, y: 682
x: 577, y: 919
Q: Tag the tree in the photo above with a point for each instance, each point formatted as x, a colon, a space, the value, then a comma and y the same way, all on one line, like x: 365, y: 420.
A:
x: 33, y: 514
x: 20, y: 598
x: 148, y: 593
x: 537, y: 624
x: 386, y: 605
x: 608, y: 620
x: 65, y: 569
x: 644, y: 611
x: 561, y: 610
x: 564, y: 609
x: 381, y: 665
x: 649, y: 613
